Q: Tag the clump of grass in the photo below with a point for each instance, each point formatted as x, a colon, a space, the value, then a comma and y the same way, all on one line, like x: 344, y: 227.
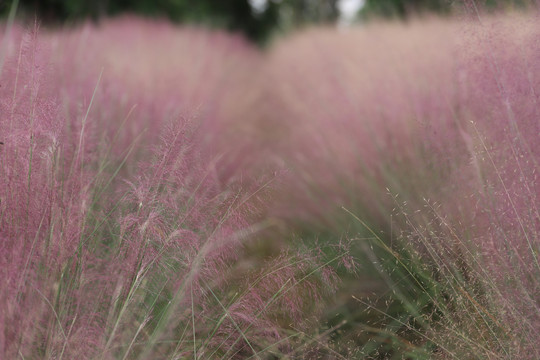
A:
x: 122, y: 235
x: 436, y: 155
x: 498, y: 233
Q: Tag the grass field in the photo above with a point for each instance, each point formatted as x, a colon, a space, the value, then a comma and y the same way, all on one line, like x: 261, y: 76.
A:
x: 364, y: 193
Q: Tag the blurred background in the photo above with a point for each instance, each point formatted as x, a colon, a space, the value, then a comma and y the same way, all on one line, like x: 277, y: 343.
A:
x: 257, y: 19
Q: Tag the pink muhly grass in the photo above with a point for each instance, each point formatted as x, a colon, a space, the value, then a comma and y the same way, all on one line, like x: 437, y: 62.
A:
x: 45, y: 201
x: 113, y: 251
x: 351, y: 114
x: 482, y: 236
x: 182, y: 219
x: 474, y: 241
x: 502, y: 226
x: 453, y: 132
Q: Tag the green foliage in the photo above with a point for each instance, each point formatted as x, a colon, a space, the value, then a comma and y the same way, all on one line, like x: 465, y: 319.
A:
x: 406, y: 8
x: 235, y: 15
x: 294, y: 12
x: 403, y: 8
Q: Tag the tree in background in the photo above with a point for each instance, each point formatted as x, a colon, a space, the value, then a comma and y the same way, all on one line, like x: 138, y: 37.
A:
x: 236, y: 15
x: 299, y: 12
x: 406, y: 8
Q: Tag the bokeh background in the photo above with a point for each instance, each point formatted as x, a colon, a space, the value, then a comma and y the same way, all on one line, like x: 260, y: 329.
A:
x: 257, y: 19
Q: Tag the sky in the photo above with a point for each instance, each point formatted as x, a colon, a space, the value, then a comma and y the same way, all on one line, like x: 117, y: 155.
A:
x: 348, y: 10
